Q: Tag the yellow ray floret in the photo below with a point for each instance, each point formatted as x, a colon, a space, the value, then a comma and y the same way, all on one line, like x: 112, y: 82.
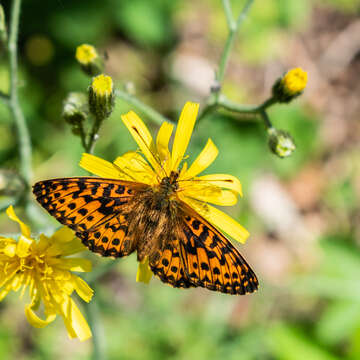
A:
x: 41, y: 267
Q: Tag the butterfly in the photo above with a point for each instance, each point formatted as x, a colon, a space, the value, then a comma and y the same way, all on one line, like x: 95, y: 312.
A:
x: 152, y: 209
x: 116, y: 217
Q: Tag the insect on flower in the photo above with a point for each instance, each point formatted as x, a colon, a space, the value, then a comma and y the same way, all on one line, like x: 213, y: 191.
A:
x: 157, y: 209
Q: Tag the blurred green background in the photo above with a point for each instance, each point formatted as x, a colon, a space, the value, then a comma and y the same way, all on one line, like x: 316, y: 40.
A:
x: 302, y: 212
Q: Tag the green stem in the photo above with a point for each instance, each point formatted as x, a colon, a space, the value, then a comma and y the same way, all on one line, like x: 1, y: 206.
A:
x: 89, y: 147
x: 233, y: 29
x: 23, y: 132
x: 214, y: 99
x: 227, y: 104
x: 141, y: 107
x: 98, y: 335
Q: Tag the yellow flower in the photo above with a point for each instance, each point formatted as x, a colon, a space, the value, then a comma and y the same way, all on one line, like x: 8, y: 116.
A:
x: 85, y: 54
x: 156, y: 162
x: 294, y: 81
x: 44, y: 269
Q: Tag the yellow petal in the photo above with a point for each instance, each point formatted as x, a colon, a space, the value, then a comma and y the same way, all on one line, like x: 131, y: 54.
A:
x: 82, y: 288
x: 211, y: 194
x: 205, y: 158
x: 73, y: 247
x: 135, y: 168
x: 35, y: 320
x: 72, y: 264
x: 25, y: 230
x: 99, y: 167
x: 219, y: 219
x: 224, y: 181
x: 162, y: 144
x: 183, y: 133
x: 23, y: 246
x: 143, y: 138
x: 63, y: 235
x: 144, y: 273
x: 75, y: 323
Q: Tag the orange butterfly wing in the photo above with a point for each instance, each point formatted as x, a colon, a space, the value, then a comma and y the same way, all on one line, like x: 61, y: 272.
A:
x: 94, y: 208
x: 210, y: 260
x: 168, y: 267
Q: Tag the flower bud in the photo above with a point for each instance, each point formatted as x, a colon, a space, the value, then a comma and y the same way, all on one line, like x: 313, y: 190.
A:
x: 75, y: 108
x: 101, y: 96
x: 290, y: 86
x: 12, y: 185
x: 280, y: 142
x: 89, y: 59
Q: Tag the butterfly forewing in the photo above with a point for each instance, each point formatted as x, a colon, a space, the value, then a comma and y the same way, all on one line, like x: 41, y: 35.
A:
x: 210, y: 260
x: 95, y: 208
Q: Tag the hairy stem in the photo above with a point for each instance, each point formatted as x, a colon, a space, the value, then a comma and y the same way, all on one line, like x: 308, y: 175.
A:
x: 13, y: 100
x: 89, y: 147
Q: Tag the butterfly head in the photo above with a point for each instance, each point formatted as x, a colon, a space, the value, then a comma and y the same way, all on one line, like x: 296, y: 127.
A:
x: 169, y: 183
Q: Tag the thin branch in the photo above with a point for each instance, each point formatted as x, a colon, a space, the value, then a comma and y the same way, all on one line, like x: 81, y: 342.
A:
x: 23, y: 132
x: 228, y: 13
x: 244, y: 13
x: 89, y: 147
x: 149, y: 112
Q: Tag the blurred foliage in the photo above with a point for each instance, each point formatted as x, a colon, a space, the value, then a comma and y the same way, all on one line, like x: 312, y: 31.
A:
x: 158, y: 322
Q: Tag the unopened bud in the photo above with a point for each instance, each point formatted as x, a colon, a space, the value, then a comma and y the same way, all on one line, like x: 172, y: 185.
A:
x: 101, y: 96
x: 280, y: 142
x: 11, y: 184
x: 75, y: 108
x: 89, y: 59
x: 290, y: 86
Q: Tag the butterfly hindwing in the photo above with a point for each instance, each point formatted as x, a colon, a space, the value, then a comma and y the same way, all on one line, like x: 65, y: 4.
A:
x: 210, y: 260
x: 168, y: 266
x: 95, y: 208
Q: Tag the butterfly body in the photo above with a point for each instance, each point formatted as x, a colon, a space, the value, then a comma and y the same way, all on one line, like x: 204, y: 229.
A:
x: 115, y: 218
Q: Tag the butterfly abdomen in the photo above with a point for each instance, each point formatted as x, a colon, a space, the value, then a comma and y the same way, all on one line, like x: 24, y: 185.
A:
x: 152, y: 223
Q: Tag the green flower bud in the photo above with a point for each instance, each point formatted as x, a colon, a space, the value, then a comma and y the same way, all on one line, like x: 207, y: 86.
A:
x: 101, y: 96
x: 75, y: 108
x: 90, y: 61
x: 280, y: 142
x: 290, y: 86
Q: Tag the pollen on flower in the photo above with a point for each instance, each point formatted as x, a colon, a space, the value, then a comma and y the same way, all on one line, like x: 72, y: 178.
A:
x: 294, y: 81
x: 102, y: 85
x: 85, y: 54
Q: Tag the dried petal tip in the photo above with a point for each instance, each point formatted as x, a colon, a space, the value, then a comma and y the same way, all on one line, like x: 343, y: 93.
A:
x: 281, y: 142
x: 290, y: 86
x: 101, y: 96
x: 89, y: 59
